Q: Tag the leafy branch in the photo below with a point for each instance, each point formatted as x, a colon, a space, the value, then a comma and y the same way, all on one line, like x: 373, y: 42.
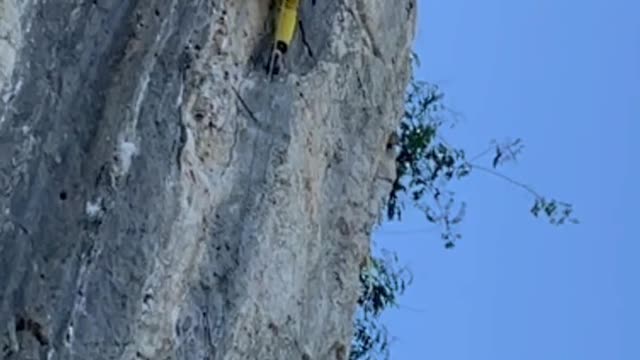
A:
x: 381, y: 284
x: 425, y: 164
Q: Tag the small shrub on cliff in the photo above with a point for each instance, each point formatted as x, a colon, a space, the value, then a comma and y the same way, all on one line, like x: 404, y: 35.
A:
x: 381, y: 283
x: 425, y: 164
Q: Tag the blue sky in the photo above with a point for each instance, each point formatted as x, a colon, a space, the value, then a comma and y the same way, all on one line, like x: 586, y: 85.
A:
x: 564, y: 76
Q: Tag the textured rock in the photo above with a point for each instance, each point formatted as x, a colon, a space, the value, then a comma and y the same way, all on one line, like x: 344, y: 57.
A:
x: 160, y: 199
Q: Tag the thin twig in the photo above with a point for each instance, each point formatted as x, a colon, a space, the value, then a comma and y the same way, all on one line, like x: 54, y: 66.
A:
x: 504, y: 177
x: 482, y: 153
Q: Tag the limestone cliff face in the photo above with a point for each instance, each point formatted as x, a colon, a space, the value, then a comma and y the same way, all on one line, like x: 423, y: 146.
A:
x: 161, y: 199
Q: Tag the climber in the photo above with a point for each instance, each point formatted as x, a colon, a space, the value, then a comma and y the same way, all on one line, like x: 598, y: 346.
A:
x: 285, y: 28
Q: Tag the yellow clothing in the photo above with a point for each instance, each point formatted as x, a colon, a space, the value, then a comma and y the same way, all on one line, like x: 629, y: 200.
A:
x: 287, y: 21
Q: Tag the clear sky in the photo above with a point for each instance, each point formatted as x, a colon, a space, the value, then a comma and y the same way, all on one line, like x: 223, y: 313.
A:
x: 564, y: 76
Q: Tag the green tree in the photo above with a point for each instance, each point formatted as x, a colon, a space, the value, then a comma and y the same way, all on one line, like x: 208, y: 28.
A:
x: 425, y: 165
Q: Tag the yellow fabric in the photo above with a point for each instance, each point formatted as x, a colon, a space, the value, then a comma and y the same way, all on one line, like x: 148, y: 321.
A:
x: 287, y: 20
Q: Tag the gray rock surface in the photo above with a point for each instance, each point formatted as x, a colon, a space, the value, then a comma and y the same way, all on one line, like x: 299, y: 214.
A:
x: 160, y: 199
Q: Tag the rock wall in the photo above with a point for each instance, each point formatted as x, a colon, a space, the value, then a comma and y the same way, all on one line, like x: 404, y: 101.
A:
x: 161, y: 199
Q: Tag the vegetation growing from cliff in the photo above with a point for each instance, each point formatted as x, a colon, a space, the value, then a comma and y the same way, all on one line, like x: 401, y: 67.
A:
x: 382, y: 282
x: 425, y: 165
